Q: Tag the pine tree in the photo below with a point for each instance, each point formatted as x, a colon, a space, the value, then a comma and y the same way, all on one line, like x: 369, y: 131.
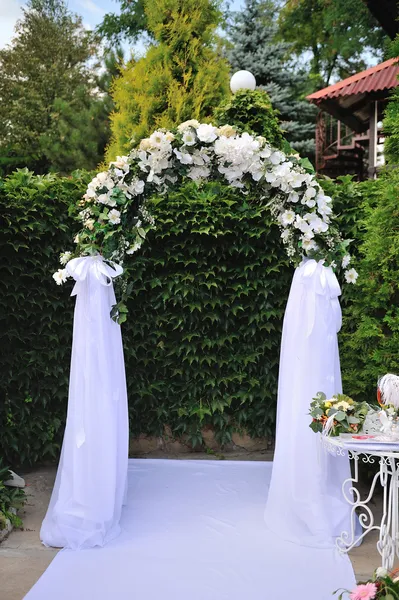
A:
x: 181, y: 77
x: 256, y: 49
x: 51, y: 115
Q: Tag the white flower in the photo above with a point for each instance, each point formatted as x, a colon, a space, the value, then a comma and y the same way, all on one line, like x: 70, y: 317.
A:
x: 333, y: 264
x: 106, y: 199
x: 351, y: 276
x: 191, y: 123
x: 121, y: 162
x: 188, y: 137
x: 293, y: 197
x: 132, y: 249
x: 346, y: 260
x: 381, y: 572
x: 285, y: 235
x: 207, y: 133
x: 308, y: 244
x: 136, y: 186
x: 60, y: 276
x: 287, y: 217
x: 89, y: 224
x: 227, y: 131
x: 65, y: 257
x: 158, y: 139
x: 114, y: 216
x: 196, y: 173
x: 169, y: 136
x: 184, y: 157
x: 145, y: 144
x: 342, y: 405
x: 76, y: 239
x: 277, y: 157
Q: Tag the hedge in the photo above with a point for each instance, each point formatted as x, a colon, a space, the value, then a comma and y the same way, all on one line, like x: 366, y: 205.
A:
x: 203, y: 334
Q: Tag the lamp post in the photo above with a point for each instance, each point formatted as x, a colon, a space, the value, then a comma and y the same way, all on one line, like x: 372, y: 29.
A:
x: 242, y: 80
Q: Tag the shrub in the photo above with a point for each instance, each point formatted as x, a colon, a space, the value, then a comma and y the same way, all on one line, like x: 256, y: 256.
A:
x: 370, y: 335
x: 251, y: 111
x: 11, y: 500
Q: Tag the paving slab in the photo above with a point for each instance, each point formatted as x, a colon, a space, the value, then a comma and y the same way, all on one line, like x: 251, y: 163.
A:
x: 23, y: 558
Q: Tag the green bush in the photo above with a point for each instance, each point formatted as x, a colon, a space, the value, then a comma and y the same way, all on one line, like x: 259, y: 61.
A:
x: 35, y: 315
x: 370, y: 335
x: 251, y: 111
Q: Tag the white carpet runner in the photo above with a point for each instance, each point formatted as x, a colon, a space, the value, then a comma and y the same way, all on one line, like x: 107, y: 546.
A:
x: 194, y: 530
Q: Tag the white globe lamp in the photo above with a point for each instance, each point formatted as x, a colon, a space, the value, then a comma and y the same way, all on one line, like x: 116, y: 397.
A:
x: 242, y: 80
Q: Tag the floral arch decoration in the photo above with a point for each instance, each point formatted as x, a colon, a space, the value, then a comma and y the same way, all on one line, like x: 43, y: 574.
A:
x: 114, y: 209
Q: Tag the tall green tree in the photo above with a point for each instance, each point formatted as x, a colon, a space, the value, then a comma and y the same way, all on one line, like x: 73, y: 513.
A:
x: 341, y: 36
x: 51, y: 111
x: 182, y: 75
x: 255, y: 47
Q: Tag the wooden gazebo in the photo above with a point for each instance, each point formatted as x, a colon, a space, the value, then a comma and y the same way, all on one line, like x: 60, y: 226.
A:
x: 348, y: 131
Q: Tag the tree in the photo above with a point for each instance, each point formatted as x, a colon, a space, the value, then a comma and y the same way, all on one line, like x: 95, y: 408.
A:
x: 256, y: 49
x: 51, y: 113
x: 181, y: 77
x: 129, y: 24
x: 342, y: 36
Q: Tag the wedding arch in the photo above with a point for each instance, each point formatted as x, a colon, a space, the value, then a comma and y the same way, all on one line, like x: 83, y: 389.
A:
x: 87, y: 499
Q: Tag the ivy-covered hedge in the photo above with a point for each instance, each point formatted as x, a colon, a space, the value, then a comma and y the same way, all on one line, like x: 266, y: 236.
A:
x: 203, y: 333
x: 35, y: 315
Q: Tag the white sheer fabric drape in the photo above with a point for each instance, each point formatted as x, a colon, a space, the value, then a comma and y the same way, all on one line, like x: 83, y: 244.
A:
x: 86, y: 503
x: 305, y: 503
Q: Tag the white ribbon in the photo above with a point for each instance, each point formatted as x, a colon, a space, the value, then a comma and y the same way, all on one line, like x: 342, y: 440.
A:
x: 78, y: 268
x: 321, y: 281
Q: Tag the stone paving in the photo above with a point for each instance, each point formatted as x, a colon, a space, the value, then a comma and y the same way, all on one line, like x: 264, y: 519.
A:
x: 23, y: 559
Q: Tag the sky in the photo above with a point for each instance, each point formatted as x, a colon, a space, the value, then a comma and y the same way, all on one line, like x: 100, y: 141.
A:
x: 92, y: 12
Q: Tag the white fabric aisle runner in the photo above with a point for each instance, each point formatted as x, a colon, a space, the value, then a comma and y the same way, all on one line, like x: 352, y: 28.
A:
x: 195, y: 529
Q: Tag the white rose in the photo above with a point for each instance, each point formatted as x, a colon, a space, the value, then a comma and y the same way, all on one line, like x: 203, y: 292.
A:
x: 145, y: 144
x: 381, y: 572
x: 114, y: 216
x: 121, y: 162
x: 169, y: 136
x: 228, y: 131
x: 207, y: 133
x: 60, y: 276
x: 191, y: 123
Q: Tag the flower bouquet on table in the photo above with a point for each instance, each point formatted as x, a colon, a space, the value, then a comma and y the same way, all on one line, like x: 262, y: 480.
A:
x: 383, y: 586
x: 336, y: 415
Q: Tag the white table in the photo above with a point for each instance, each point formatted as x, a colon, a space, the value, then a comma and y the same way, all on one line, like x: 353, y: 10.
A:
x: 387, y: 456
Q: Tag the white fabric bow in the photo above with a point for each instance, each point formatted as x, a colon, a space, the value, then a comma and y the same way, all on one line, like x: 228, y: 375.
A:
x: 78, y: 268
x: 321, y: 281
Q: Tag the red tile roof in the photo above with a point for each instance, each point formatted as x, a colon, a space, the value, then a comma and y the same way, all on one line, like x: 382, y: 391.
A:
x: 383, y: 76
